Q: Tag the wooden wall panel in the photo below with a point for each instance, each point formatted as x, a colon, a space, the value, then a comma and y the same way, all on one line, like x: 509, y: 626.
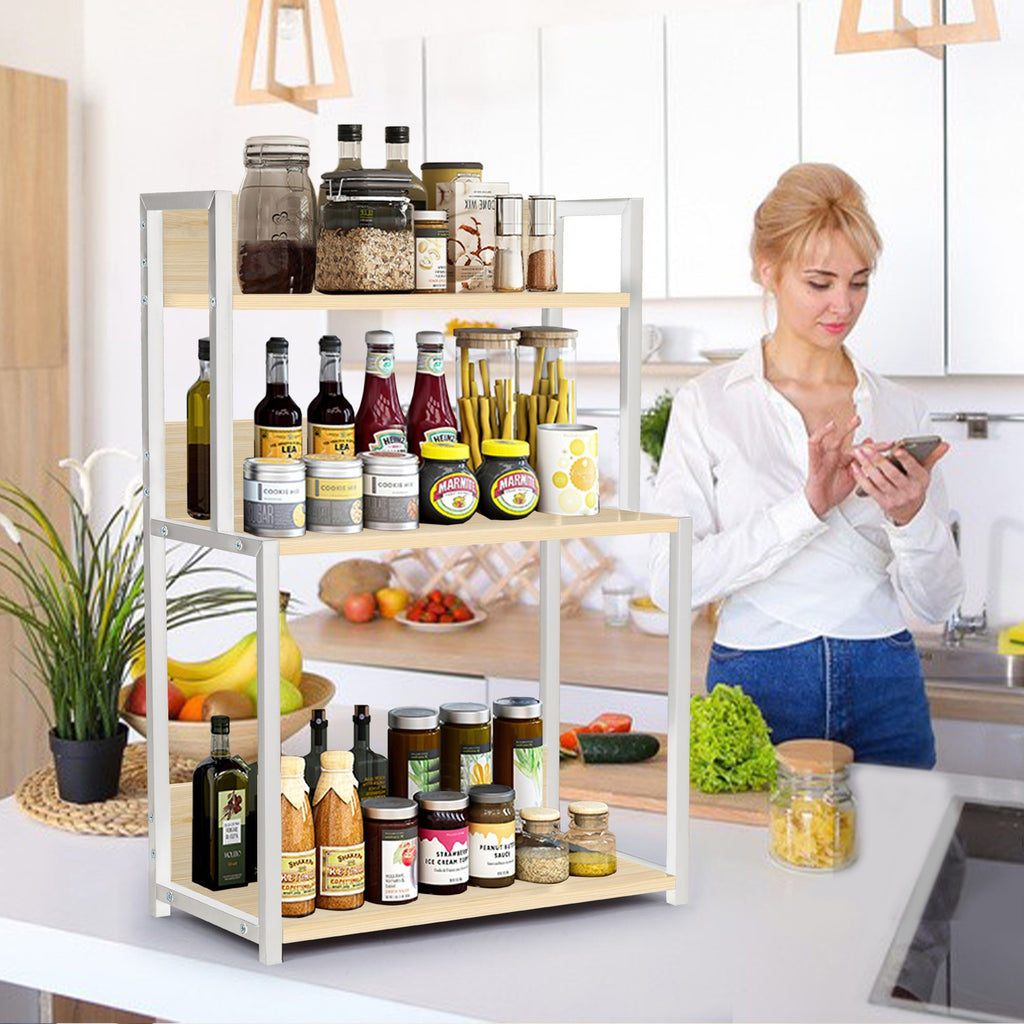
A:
x: 33, y: 354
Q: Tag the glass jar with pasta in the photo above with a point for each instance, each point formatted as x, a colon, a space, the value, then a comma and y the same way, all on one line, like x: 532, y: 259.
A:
x: 812, y: 815
x: 486, y: 386
x: 546, y: 388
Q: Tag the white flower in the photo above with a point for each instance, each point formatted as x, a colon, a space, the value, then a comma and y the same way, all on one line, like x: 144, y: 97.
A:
x: 12, y: 531
x: 84, y: 472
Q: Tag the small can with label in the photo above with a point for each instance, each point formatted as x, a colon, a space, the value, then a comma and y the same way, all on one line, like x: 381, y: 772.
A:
x: 274, y: 497
x: 448, y: 490
x: 508, y: 484
x: 443, y: 842
x: 391, y: 490
x: 334, y: 493
x: 492, y: 836
x: 390, y: 827
x: 431, y: 231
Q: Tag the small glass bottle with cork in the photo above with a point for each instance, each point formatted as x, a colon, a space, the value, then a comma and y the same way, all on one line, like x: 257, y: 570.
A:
x: 591, y: 845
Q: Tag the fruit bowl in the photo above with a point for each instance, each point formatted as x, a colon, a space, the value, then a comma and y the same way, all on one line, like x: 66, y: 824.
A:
x: 648, y: 617
x: 192, y: 739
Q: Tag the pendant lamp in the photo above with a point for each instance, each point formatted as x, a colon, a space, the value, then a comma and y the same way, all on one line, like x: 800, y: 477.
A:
x: 904, y: 34
x: 285, y: 13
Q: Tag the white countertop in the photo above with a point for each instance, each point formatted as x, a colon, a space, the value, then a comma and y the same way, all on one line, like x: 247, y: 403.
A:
x: 756, y: 942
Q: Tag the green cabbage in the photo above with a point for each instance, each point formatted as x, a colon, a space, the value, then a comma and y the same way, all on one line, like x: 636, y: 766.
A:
x: 729, y: 746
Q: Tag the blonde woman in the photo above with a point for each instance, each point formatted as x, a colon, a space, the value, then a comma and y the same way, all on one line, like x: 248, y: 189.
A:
x: 767, y: 455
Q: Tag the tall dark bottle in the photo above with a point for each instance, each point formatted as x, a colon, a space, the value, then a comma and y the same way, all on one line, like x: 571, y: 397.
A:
x: 396, y: 158
x: 317, y: 745
x: 330, y: 419
x: 380, y: 422
x: 198, y: 440
x: 430, y: 411
x: 369, y: 767
x: 223, y: 815
x: 278, y: 420
x: 350, y: 157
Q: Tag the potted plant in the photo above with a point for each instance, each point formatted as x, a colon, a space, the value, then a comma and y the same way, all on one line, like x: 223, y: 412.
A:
x: 653, y: 425
x: 82, y: 612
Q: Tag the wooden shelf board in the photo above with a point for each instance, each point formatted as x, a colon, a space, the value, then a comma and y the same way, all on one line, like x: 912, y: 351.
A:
x: 584, y: 368
x: 381, y: 301
x: 631, y: 879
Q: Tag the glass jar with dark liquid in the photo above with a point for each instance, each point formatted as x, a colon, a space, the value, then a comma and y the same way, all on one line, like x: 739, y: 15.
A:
x: 278, y: 420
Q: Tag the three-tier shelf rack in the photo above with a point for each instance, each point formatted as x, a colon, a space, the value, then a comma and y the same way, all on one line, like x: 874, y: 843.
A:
x: 187, y: 262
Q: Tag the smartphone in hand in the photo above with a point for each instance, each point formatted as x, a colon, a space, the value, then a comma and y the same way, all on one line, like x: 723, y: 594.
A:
x: 917, y: 447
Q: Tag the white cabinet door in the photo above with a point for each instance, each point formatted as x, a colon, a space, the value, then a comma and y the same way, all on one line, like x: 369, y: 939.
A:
x: 482, y: 103
x: 603, y: 126
x: 733, y: 127
x: 879, y: 116
x: 985, y: 117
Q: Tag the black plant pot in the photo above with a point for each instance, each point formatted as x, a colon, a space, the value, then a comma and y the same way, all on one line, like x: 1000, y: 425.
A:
x: 88, y: 770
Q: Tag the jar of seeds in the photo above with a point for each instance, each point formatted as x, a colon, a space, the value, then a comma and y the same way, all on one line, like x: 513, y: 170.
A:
x: 542, y: 851
x: 365, y: 242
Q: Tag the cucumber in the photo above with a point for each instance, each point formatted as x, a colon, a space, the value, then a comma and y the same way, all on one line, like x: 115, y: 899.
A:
x: 617, y: 747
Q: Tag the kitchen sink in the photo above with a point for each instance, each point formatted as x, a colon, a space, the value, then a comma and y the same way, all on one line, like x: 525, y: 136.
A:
x: 973, y: 661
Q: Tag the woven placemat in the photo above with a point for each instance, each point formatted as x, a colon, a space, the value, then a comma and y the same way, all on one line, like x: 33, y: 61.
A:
x: 124, y: 815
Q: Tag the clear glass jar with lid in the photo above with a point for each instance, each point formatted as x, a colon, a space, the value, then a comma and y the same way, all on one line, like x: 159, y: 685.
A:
x: 276, y: 217
x: 546, y: 387
x: 508, y: 259
x: 365, y: 242
x: 591, y: 845
x: 541, y: 275
x: 542, y: 851
x: 812, y: 814
x: 486, y: 386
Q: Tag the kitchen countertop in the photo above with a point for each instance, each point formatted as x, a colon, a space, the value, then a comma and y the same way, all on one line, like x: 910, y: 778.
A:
x: 756, y: 942
x: 592, y: 654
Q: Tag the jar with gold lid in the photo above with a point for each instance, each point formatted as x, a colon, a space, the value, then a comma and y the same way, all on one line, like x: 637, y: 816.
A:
x: 812, y: 814
x: 591, y: 844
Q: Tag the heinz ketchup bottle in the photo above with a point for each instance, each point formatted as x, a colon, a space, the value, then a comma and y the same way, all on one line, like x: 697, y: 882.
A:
x: 380, y: 422
x: 430, y: 411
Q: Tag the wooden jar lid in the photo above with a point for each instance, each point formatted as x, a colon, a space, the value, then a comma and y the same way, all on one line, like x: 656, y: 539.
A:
x: 814, y: 757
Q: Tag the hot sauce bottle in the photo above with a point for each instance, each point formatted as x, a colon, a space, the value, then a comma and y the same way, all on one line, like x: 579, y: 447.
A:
x: 380, y: 422
x: 331, y: 422
x: 430, y: 412
x: 278, y: 419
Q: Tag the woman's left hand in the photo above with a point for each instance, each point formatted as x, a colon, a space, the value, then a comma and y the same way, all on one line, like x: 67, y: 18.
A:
x: 899, y: 495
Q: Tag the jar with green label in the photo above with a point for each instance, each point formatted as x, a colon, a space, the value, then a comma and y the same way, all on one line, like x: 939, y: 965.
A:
x: 519, y: 748
x: 414, y: 751
x: 465, y: 745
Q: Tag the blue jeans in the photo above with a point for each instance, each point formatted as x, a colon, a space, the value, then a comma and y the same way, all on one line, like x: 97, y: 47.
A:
x: 868, y: 694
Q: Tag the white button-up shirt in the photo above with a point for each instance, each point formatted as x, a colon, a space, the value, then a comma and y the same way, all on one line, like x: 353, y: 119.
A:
x: 735, y: 460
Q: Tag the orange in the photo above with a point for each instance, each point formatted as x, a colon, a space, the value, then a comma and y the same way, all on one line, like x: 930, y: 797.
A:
x: 192, y: 709
x: 583, y: 473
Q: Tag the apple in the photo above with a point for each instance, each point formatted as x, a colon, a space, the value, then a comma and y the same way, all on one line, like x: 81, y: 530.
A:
x: 136, y: 702
x: 360, y: 607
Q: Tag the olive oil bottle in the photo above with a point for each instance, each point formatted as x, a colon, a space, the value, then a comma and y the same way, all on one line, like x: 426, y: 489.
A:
x: 198, y: 453
x: 369, y: 768
x: 223, y: 815
x: 278, y: 420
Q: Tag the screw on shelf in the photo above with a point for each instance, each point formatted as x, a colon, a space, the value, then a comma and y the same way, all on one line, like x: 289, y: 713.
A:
x: 242, y: 929
x: 143, y: 224
x: 163, y: 531
x: 170, y: 897
x: 238, y: 545
x: 145, y: 301
x: 144, y: 262
x: 152, y: 854
x: 145, y: 455
x: 145, y: 491
x: 213, y: 301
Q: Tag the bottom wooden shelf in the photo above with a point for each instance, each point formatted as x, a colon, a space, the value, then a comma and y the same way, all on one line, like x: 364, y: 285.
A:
x: 631, y: 879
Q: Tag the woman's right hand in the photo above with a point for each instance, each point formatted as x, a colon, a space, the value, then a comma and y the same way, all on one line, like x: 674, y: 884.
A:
x: 829, y: 476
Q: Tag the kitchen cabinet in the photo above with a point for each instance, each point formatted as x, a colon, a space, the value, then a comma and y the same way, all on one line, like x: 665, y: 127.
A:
x: 984, y: 97
x: 879, y: 116
x: 193, y: 270
x: 482, y: 103
x: 603, y: 134
x: 732, y: 127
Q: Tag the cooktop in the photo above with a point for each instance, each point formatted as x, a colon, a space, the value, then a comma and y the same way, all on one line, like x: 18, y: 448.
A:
x: 959, y: 948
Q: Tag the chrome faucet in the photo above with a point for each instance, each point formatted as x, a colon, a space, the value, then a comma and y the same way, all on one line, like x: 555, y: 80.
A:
x: 959, y: 625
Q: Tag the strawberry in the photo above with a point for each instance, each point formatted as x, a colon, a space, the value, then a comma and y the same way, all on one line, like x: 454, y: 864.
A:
x: 429, y: 617
x: 436, y: 607
x: 435, y: 596
x: 447, y: 618
x: 461, y: 614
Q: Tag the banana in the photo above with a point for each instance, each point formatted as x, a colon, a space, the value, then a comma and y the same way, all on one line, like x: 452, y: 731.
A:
x: 231, y: 670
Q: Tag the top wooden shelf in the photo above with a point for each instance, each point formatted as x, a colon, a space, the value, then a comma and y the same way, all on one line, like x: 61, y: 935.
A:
x: 408, y: 300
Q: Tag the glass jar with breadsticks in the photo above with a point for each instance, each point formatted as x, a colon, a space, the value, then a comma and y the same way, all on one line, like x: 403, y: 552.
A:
x: 486, y: 386
x: 546, y: 391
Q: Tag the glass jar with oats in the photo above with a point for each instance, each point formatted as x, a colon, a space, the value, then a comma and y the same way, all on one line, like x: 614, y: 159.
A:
x: 812, y: 815
x: 365, y: 242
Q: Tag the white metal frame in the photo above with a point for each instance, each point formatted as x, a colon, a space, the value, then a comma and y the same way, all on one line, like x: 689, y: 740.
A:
x: 267, y: 928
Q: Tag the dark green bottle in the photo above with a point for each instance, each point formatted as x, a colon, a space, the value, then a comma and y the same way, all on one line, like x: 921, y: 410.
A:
x: 223, y: 815
x: 369, y: 768
x: 317, y: 745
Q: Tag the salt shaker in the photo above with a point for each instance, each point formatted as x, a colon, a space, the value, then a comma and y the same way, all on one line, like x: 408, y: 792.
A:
x: 508, y: 261
x: 540, y: 264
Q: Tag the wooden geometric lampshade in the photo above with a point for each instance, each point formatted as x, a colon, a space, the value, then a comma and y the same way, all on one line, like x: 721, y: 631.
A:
x: 304, y: 96
x: 904, y: 34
